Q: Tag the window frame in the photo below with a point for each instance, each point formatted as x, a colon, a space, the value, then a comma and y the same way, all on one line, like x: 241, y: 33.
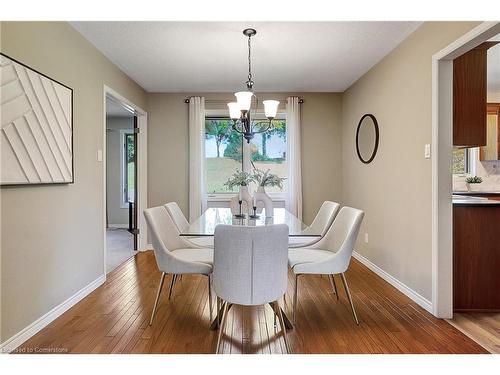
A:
x: 123, y: 165
x: 470, y: 162
x: 245, y: 164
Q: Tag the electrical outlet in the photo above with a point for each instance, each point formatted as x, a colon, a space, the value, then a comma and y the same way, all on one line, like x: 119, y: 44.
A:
x: 366, y: 237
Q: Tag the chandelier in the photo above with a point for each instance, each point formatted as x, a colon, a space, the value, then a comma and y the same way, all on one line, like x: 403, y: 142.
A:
x: 239, y: 111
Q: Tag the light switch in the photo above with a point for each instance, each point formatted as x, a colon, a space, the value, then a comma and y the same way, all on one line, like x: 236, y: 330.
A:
x: 427, y: 151
x: 99, y: 155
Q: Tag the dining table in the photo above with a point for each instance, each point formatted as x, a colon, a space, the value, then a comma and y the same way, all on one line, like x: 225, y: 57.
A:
x: 205, y: 225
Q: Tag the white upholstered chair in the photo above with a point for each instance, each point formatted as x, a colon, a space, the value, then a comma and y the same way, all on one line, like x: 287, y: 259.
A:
x: 321, y: 224
x: 172, y: 255
x: 330, y: 255
x: 250, y: 268
x: 182, y: 225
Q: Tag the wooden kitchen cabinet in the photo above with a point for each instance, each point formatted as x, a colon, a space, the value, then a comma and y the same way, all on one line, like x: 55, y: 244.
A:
x: 492, y: 149
x: 476, y: 258
x: 469, y: 97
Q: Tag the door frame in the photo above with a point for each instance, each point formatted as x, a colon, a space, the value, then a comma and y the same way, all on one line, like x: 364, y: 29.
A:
x: 442, y: 183
x: 142, y: 175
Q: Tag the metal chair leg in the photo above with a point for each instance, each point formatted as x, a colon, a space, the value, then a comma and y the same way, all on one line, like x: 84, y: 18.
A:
x: 160, y: 286
x: 221, y: 327
x: 334, y: 286
x: 218, y: 310
x: 174, y: 277
x: 282, y: 324
x: 210, y: 297
x: 295, y: 298
x: 346, y: 287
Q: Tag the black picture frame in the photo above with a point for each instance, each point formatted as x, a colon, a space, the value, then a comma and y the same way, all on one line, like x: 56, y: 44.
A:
x: 375, y: 148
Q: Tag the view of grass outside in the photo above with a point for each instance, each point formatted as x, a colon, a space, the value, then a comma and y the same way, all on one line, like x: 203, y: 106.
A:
x: 224, y: 153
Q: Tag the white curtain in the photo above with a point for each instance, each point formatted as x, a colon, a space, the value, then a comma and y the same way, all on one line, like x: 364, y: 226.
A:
x: 197, y: 204
x: 293, y: 155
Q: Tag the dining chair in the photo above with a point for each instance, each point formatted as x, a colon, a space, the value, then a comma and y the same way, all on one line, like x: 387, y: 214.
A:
x: 182, y: 225
x: 171, y: 254
x: 250, y: 268
x: 320, y: 225
x: 330, y: 255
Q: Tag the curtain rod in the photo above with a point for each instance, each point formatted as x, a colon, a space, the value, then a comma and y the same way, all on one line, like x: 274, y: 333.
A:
x: 225, y: 101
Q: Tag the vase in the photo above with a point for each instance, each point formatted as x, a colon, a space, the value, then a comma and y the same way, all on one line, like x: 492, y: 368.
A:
x: 246, y: 198
x: 261, y: 196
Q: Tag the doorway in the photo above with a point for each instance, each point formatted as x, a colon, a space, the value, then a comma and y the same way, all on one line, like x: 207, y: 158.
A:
x: 121, y: 179
x: 124, y: 172
x: 465, y: 162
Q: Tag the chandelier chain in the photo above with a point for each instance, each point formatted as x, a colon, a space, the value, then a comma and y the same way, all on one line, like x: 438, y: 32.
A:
x: 249, y: 82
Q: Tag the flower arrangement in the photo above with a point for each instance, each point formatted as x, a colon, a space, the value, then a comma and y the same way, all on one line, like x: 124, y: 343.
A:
x: 239, y: 178
x: 267, y: 179
x: 474, y: 180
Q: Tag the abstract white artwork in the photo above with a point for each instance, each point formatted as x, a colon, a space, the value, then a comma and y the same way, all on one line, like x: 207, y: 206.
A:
x: 37, y: 127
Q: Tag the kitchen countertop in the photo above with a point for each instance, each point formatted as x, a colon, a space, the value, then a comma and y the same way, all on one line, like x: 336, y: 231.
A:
x: 465, y: 200
x: 476, y: 193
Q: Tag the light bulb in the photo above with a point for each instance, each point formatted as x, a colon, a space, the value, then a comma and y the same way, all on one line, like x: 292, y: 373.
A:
x: 270, y: 108
x: 234, y: 110
x: 244, y: 99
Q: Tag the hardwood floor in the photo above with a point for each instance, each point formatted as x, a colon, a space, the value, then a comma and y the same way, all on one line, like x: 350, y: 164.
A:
x: 114, y: 319
x: 484, y: 328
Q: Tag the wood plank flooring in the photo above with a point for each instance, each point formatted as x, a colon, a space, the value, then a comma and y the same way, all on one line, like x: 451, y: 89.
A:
x: 115, y: 317
x: 483, y: 328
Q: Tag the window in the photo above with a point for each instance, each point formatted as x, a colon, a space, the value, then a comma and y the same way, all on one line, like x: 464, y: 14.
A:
x: 463, y: 161
x: 128, y: 170
x: 269, y: 152
x: 226, y: 152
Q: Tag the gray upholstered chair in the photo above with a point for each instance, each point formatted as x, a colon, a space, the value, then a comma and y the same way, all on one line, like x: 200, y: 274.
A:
x: 250, y: 268
x: 182, y: 225
x: 330, y: 255
x: 172, y: 255
x: 321, y: 224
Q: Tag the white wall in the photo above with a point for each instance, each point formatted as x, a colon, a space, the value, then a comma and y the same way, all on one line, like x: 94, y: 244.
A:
x: 117, y: 215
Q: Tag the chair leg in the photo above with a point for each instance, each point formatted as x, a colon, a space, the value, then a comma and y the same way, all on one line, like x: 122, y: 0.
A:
x: 334, y: 286
x: 295, y: 298
x: 218, y: 310
x: 222, y: 325
x: 346, y: 287
x: 174, y: 277
x: 160, y: 286
x: 277, y: 310
x: 210, y: 297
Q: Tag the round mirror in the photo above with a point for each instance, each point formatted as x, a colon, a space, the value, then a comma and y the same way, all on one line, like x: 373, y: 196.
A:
x: 367, y: 138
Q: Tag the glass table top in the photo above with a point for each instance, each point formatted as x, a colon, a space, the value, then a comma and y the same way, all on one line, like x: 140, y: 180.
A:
x: 206, y: 223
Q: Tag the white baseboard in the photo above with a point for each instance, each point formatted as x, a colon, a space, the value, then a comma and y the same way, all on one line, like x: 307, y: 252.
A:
x: 403, y: 288
x: 113, y: 226
x: 148, y: 247
x: 28, y: 332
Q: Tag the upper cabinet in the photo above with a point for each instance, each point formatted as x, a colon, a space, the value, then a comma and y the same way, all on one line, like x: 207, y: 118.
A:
x: 469, y: 97
x: 492, y: 149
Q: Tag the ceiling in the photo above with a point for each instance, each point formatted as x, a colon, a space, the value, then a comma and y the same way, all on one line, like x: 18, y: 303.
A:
x: 212, y: 56
x: 113, y: 109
